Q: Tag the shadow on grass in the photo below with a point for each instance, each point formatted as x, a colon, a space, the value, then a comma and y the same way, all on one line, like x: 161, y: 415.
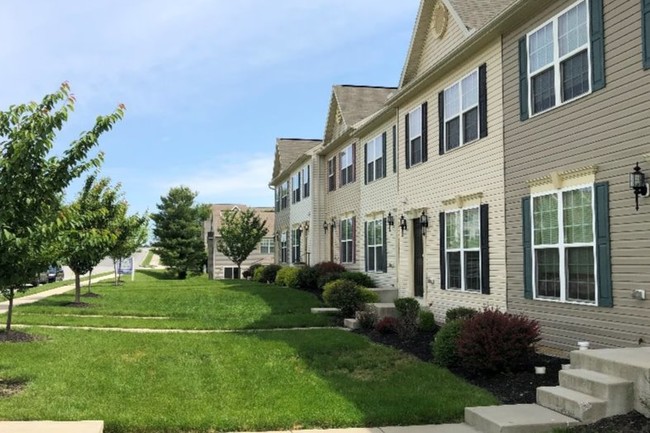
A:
x: 158, y: 275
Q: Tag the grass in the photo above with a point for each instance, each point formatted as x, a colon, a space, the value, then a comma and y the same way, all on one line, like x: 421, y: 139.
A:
x: 272, y: 380
x: 56, y: 284
x: 195, y: 303
x: 147, y: 260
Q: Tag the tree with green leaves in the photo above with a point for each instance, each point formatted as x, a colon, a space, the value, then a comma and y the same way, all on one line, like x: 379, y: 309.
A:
x: 32, y: 183
x: 131, y: 233
x: 239, y: 234
x: 179, y: 231
x: 90, y: 239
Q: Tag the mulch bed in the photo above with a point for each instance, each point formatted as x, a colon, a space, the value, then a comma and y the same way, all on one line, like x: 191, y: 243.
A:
x: 17, y: 337
x: 514, y: 387
x: 9, y: 387
x: 91, y: 295
x: 78, y: 305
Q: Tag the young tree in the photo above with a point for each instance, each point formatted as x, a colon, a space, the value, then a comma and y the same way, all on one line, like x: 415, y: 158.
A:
x: 32, y: 183
x: 178, y: 230
x: 240, y: 232
x: 91, y: 238
x: 131, y: 233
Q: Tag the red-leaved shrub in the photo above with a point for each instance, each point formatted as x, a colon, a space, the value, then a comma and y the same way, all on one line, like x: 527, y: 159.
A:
x: 329, y: 268
x: 492, y: 341
x: 387, y: 325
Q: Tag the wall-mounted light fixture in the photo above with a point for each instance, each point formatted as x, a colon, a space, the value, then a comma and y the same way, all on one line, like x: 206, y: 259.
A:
x: 390, y: 220
x: 277, y: 235
x: 638, y: 184
x: 402, y: 224
x: 424, y: 223
x: 325, y: 226
x: 306, y: 226
x: 333, y: 224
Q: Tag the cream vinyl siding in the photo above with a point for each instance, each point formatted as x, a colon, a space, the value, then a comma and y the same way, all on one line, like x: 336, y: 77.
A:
x: 301, y: 213
x: 608, y: 128
x: 444, y: 177
x: 282, y: 221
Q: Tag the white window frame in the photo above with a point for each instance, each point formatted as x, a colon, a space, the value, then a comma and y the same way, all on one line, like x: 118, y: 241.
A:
x: 296, y: 187
x: 267, y: 246
x: 377, y: 246
x: 461, y: 113
x: 346, y: 241
x: 346, y: 169
x: 462, y: 250
x: 557, y: 61
x: 412, y: 137
x: 284, y: 195
x: 306, y: 173
x: 331, y: 174
x: 562, y: 246
x: 233, y: 270
x: 296, y: 234
x: 375, y: 156
x: 284, y: 248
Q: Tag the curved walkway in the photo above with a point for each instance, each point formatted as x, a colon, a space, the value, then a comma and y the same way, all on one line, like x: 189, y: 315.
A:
x: 178, y: 331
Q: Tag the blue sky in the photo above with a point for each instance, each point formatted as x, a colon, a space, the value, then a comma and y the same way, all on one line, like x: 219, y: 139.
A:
x: 208, y: 84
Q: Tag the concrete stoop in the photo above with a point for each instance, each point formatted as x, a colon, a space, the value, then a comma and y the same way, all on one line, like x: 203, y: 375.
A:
x: 51, y: 426
x: 385, y: 295
x: 325, y: 310
x: 517, y: 418
x: 384, y: 309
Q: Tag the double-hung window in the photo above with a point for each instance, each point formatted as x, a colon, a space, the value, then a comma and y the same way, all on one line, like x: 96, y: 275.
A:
x: 347, y: 165
x: 461, y: 112
x: 331, y: 174
x: 296, y: 186
x: 347, y: 240
x: 305, y: 181
x: 375, y: 158
x: 284, y: 251
x: 375, y: 254
x: 559, y: 65
x: 295, y: 245
x: 284, y: 195
x: 564, y: 255
x: 267, y: 246
x: 463, y: 249
x: 415, y: 136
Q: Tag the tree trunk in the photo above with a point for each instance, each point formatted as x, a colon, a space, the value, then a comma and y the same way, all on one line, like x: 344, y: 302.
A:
x: 10, y: 309
x: 117, y: 278
x: 77, y: 287
x: 239, y: 271
x: 90, y: 275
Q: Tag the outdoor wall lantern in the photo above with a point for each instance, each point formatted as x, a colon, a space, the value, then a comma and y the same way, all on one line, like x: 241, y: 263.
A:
x: 333, y: 224
x: 638, y: 184
x: 277, y: 235
x: 390, y: 220
x: 306, y: 226
x: 424, y: 222
x: 325, y: 226
x: 402, y: 224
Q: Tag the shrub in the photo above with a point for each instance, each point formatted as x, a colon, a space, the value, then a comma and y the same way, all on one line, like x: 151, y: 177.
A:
x: 257, y: 275
x: 461, y: 313
x: 426, y: 321
x: 358, y: 277
x: 367, y: 318
x: 250, y: 272
x: 287, y: 276
x: 445, y: 352
x: 387, y: 325
x: 326, y: 278
x: 269, y: 273
x: 493, y: 341
x: 307, y: 279
x: 329, y: 268
x: 409, y: 311
x: 348, y: 296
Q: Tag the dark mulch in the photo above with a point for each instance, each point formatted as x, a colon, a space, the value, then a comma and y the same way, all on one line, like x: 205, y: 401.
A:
x: 91, y: 295
x: 78, y: 305
x: 514, y: 387
x: 17, y: 337
x: 9, y: 387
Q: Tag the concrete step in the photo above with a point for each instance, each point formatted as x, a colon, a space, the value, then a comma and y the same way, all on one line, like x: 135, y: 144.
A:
x: 617, y: 392
x: 385, y: 295
x: 325, y: 310
x: 583, y: 407
x: 517, y: 418
x: 385, y: 309
x: 632, y: 364
x: 351, y: 323
x: 435, y: 428
x: 51, y: 426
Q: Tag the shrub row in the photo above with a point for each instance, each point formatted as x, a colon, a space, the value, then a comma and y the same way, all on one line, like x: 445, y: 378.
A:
x: 411, y: 318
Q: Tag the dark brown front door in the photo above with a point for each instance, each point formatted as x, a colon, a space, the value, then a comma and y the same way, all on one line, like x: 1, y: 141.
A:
x: 331, y: 244
x: 418, y: 259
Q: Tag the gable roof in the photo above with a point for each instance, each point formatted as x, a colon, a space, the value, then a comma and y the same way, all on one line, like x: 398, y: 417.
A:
x: 288, y: 151
x: 470, y: 15
x: 355, y: 103
x: 266, y: 214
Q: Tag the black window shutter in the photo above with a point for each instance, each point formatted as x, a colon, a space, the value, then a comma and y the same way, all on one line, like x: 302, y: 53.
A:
x: 443, y: 261
x: 334, y: 172
x: 354, y: 162
x: 354, y: 239
x: 523, y: 79
x: 365, y: 240
x: 605, y: 298
x: 425, y: 132
x: 340, y: 227
x: 482, y: 100
x: 441, y: 123
x: 645, y: 24
x: 299, y: 187
x: 383, y: 153
x: 528, y: 248
x: 385, y: 252
x: 597, y: 44
x: 365, y: 163
x: 485, y: 250
x: 407, y: 154
x: 299, y: 236
x: 395, y: 147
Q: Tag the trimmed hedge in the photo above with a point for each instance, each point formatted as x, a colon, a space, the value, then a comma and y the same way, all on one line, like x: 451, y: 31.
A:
x: 348, y: 296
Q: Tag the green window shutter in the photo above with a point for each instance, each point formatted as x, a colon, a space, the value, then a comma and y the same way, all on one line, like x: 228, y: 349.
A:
x: 441, y: 123
x: 383, y: 153
x: 523, y: 79
x: 407, y: 154
x: 485, y: 250
x: 645, y: 24
x: 425, y: 132
x: 365, y: 239
x: 482, y: 100
x: 299, y: 236
x: 528, y: 248
x: 443, y: 262
x: 603, y: 257
x: 597, y: 44
x: 383, y: 228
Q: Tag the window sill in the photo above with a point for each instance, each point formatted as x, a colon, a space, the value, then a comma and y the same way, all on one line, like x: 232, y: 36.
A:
x: 559, y: 105
x: 464, y: 145
x: 559, y: 301
x: 469, y: 292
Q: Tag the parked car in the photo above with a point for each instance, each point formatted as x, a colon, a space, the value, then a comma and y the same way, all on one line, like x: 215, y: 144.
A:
x: 54, y: 273
x: 40, y: 278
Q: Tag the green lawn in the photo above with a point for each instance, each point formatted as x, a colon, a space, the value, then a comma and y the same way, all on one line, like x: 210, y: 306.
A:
x: 195, y: 303
x: 227, y: 382
x: 54, y: 285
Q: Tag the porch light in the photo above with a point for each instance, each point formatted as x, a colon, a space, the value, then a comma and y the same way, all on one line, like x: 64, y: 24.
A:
x: 325, y: 226
x: 333, y: 224
x: 638, y: 184
x: 424, y: 222
x: 306, y: 226
x: 390, y: 220
x: 402, y: 224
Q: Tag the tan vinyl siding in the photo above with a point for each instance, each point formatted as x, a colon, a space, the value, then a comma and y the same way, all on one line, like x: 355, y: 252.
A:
x: 441, y: 178
x: 609, y: 129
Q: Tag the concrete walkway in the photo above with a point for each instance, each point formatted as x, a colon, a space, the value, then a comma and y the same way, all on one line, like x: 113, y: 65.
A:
x: 177, y: 331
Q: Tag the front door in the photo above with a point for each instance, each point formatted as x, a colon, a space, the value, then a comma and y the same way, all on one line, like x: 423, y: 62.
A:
x: 331, y: 244
x: 418, y: 259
